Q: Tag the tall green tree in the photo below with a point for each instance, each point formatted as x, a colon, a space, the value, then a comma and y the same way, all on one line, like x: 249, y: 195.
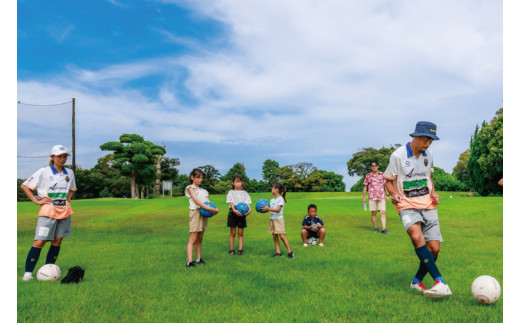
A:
x: 359, y: 164
x: 485, y: 164
x: 460, y: 171
x: 447, y: 182
x: 269, y: 171
x: 211, y: 178
x: 301, y: 177
x: 135, y: 158
x: 334, y: 181
x: 166, y: 171
x: 236, y: 169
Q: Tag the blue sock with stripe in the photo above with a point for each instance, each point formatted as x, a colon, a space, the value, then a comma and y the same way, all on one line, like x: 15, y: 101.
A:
x: 419, y: 276
x: 426, y: 258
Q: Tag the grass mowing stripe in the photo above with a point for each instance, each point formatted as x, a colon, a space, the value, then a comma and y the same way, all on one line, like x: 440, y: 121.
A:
x: 134, y: 252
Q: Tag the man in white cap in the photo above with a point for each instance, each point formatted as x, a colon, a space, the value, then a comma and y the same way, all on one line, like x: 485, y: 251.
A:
x: 55, y: 185
x: 410, y: 184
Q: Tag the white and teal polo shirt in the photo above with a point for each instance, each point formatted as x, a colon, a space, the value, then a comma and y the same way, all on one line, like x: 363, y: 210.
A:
x: 47, y: 181
x: 413, y: 178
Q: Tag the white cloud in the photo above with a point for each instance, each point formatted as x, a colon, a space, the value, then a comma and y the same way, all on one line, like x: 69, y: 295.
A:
x: 326, y: 77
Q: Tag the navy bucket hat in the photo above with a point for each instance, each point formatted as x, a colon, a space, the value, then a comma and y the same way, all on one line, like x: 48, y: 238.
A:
x: 425, y: 128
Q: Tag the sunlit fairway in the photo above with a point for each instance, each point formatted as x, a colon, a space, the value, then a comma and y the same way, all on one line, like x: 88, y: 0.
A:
x: 134, y: 255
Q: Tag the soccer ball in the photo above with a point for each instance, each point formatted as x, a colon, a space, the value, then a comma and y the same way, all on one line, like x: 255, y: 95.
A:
x: 205, y: 212
x: 260, y: 204
x: 486, y: 289
x: 48, y: 272
x: 242, y: 208
x: 312, y: 241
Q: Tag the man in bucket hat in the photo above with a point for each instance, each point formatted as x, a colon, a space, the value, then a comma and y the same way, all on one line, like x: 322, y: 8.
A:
x: 410, y: 184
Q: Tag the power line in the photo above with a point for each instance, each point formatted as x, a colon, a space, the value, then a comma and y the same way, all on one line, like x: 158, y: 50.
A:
x: 44, y: 105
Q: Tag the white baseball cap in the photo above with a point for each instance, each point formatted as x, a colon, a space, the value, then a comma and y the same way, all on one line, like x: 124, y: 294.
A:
x: 59, y: 150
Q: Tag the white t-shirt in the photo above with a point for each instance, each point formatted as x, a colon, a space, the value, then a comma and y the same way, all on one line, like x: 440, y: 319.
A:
x: 201, y: 193
x: 275, y: 202
x: 238, y: 197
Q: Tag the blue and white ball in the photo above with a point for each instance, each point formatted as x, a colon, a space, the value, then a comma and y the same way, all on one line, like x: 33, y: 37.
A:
x: 242, y: 207
x: 260, y: 204
x: 205, y: 212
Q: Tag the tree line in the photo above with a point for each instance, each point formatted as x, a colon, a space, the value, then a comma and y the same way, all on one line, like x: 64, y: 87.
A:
x: 135, y: 168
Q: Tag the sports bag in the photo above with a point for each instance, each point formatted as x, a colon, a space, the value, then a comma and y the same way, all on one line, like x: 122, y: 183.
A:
x: 74, y: 275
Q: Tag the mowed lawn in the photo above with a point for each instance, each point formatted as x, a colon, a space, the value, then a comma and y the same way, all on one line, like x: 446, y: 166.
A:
x: 134, y: 254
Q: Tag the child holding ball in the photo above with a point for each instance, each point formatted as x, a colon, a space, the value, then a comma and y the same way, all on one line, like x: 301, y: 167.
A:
x: 198, y: 223
x: 235, y: 218
x: 276, y: 222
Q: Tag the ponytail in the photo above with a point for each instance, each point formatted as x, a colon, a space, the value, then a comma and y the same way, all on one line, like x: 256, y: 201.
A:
x: 281, y: 189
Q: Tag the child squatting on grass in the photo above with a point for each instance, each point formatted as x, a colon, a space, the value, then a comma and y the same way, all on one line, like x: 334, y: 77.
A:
x: 198, y: 223
x: 235, y: 218
x: 276, y: 222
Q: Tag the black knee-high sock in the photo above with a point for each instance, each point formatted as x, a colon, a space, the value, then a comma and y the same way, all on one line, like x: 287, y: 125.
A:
x: 32, y: 259
x: 422, y: 271
x: 427, y: 260
x: 52, y: 255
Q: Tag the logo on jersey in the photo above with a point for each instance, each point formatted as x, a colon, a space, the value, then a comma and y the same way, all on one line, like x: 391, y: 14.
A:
x: 416, y: 188
x: 425, y: 161
x: 67, y: 179
x: 51, y: 178
x: 407, y: 163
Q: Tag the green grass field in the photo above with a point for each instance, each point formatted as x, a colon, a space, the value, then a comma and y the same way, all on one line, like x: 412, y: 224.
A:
x: 134, y: 254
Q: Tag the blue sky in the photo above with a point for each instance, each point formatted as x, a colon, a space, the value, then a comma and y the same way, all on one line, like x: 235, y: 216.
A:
x: 220, y: 82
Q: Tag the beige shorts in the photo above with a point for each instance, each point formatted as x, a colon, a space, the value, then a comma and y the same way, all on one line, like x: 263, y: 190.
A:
x: 198, y: 222
x: 276, y: 226
x: 376, y: 205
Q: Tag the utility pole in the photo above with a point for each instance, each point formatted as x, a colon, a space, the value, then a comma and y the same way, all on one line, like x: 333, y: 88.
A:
x: 74, y: 135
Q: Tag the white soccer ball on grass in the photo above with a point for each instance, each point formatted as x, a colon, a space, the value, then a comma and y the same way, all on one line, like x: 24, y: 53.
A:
x: 48, y: 272
x: 486, y: 289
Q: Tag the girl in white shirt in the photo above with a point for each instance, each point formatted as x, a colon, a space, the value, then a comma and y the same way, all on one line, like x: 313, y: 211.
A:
x: 235, y: 218
x: 198, y: 223
x: 276, y: 222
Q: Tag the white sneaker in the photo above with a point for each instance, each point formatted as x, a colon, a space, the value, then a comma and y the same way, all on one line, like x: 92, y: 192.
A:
x: 321, y: 245
x: 438, y: 290
x: 305, y: 244
x: 27, y: 277
x: 419, y: 287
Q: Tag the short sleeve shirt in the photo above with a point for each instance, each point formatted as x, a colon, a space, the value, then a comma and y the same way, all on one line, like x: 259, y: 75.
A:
x: 275, y: 202
x: 201, y: 193
x: 236, y: 197
x: 376, y: 186
x: 48, y: 182
x: 307, y: 221
x: 412, y: 177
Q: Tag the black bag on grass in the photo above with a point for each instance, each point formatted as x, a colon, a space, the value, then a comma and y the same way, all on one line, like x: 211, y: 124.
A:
x: 74, y: 275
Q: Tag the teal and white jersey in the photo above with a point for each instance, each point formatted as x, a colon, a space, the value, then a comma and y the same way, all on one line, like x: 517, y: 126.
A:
x: 49, y: 182
x: 275, y: 202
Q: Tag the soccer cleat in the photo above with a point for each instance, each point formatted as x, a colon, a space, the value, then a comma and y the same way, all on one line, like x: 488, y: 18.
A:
x: 376, y: 230
x: 232, y: 252
x: 418, y: 286
x: 321, y: 245
x: 385, y: 231
x: 27, y: 277
x: 438, y: 290
x: 305, y: 244
x: 190, y: 264
x: 200, y: 262
x: 277, y: 255
x: 240, y: 252
x: 290, y: 254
